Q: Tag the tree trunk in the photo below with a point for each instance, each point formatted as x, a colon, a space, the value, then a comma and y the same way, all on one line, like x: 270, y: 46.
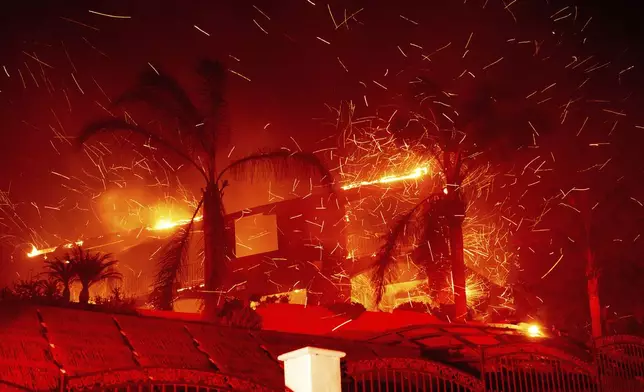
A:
x: 455, y: 217
x: 66, y: 293
x: 83, y: 298
x: 458, y: 270
x: 215, y: 247
x: 593, y: 295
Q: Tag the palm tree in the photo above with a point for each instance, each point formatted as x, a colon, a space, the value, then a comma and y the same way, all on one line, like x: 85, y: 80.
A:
x: 91, y: 268
x: 203, y: 133
x: 423, y: 221
x: 50, y: 288
x: 456, y: 129
x: 61, y: 271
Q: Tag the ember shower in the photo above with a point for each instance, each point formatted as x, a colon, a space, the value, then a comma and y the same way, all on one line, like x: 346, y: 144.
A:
x: 338, y: 79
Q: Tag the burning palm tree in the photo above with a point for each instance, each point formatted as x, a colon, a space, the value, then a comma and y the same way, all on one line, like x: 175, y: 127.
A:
x: 455, y: 130
x: 423, y: 221
x: 202, y: 134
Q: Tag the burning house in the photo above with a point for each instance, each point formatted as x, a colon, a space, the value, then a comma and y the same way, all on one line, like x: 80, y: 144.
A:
x: 319, y: 247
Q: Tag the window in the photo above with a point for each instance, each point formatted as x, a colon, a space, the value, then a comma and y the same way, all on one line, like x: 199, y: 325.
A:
x: 255, y: 234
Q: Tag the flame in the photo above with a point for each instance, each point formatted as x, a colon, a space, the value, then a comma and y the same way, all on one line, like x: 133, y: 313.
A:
x: 413, y: 175
x: 168, y: 215
x: 475, y: 290
x: 167, y: 224
x: 37, y: 252
x: 532, y: 330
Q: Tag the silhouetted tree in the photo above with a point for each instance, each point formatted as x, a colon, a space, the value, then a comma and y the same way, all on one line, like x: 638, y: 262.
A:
x: 202, y: 134
x: 91, y: 268
x: 61, y: 271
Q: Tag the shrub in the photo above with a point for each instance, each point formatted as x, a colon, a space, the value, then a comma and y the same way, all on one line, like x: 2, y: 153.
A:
x: 116, y: 303
x: 234, y: 313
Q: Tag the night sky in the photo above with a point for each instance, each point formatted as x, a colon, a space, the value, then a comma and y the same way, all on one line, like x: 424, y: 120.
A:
x: 298, y: 65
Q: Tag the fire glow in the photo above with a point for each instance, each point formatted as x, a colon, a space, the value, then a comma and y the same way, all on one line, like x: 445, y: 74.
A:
x: 167, y: 224
x: 163, y: 223
x: 417, y: 173
x: 37, y: 252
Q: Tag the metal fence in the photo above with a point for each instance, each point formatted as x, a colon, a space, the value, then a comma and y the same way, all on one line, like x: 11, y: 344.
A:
x: 157, y: 387
x: 620, y: 363
x: 616, y: 365
x: 406, y: 375
x: 535, y: 367
x: 156, y: 379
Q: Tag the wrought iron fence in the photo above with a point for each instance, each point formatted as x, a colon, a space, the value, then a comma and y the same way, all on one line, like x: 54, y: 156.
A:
x: 620, y: 363
x: 159, y: 380
x: 406, y: 375
x: 535, y: 367
x: 158, y: 387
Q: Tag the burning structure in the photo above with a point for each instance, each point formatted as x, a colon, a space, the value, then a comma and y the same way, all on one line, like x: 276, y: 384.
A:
x: 311, y: 249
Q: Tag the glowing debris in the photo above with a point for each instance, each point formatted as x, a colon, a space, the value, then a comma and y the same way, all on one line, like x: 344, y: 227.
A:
x: 413, y: 175
x: 201, y: 30
x: 110, y: 15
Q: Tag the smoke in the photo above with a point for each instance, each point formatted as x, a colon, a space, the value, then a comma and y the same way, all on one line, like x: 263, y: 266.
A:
x: 125, y: 209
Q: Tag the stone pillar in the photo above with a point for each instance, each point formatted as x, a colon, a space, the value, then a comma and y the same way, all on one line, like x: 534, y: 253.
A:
x: 311, y: 369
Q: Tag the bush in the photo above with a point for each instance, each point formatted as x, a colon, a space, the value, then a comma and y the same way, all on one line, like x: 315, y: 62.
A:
x: 47, y: 292
x: 41, y: 291
x: 116, y: 303
x: 234, y: 313
x: 276, y: 299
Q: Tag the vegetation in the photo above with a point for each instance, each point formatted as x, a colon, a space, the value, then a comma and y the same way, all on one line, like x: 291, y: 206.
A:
x: 62, y: 272
x: 90, y: 268
x: 455, y: 128
x: 47, y: 292
x: 78, y: 266
x: 237, y: 314
x: 117, y: 302
x: 200, y: 137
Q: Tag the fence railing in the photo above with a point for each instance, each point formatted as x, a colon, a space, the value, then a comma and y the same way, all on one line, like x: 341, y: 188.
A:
x: 535, y: 367
x: 159, y: 380
x: 620, y: 363
x: 407, y: 375
x: 616, y: 365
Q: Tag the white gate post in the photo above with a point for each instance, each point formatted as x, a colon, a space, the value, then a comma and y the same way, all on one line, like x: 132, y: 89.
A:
x: 312, y: 369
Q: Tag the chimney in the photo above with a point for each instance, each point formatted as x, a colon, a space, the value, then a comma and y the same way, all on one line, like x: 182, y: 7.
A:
x: 312, y: 369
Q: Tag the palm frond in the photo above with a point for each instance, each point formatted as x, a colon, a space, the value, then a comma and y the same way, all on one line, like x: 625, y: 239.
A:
x: 279, y: 164
x: 215, y: 132
x: 163, y: 93
x: 117, y: 125
x: 172, y: 260
x: 108, y: 271
x: 60, y: 270
x: 385, y: 260
x: 90, y: 268
x: 213, y: 75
